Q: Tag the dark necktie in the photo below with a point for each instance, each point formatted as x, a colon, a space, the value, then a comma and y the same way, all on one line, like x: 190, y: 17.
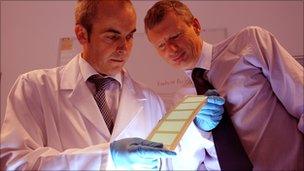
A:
x: 101, y: 84
x: 230, y: 152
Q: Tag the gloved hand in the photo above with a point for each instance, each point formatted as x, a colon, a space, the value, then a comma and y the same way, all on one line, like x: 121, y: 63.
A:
x: 137, y: 153
x: 211, y: 113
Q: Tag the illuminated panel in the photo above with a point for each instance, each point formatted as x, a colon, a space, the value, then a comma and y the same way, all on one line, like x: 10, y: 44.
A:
x: 174, y: 124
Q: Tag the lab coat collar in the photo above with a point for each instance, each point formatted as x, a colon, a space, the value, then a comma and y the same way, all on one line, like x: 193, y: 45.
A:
x: 70, y: 74
x: 131, y: 100
x: 81, y: 97
x: 74, y: 71
x: 87, y: 70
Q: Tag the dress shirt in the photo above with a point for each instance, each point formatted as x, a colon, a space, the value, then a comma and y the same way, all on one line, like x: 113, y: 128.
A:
x: 112, y: 92
x: 263, y: 88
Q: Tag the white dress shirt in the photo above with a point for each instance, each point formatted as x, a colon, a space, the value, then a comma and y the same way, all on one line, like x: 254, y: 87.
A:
x: 112, y: 92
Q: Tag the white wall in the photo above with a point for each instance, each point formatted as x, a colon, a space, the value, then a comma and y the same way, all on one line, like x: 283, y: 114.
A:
x: 30, y: 30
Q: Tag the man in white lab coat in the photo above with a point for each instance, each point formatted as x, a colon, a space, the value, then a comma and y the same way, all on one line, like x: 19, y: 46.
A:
x: 261, y: 82
x: 53, y: 122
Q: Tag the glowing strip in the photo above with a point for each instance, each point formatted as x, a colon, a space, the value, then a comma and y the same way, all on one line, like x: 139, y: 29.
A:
x: 174, y: 124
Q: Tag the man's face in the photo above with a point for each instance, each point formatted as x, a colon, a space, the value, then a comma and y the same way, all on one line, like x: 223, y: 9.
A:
x: 177, y: 42
x: 111, y: 38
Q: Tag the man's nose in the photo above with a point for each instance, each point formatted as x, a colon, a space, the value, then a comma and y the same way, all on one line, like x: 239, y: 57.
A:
x: 172, y: 49
x: 122, y: 47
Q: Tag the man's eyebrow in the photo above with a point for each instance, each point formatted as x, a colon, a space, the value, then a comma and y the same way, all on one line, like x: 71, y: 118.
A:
x: 118, y: 32
x: 113, y: 31
x: 133, y: 31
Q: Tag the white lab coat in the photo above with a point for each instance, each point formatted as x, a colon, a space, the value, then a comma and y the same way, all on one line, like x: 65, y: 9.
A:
x: 52, y: 121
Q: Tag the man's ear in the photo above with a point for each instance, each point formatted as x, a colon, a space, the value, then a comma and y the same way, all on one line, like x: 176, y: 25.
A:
x: 196, y: 26
x: 81, y: 34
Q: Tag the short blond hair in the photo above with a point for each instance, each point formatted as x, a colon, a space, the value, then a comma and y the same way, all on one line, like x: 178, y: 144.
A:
x: 160, y: 9
x: 87, y: 10
x: 85, y: 13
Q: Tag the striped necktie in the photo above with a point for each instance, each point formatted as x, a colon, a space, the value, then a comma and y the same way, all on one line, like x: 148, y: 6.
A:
x: 101, y: 84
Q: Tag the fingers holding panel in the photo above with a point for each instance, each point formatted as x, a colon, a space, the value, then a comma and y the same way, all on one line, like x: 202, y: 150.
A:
x: 215, y: 100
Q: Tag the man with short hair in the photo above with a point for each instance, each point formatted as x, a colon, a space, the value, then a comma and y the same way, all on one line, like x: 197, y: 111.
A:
x: 261, y: 82
x: 90, y: 114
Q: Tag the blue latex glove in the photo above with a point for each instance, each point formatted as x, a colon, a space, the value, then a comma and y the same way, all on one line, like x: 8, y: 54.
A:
x: 211, y: 113
x: 137, y: 153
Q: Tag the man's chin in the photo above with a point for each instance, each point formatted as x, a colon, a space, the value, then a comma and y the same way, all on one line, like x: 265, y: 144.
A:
x: 180, y: 65
x: 115, y: 71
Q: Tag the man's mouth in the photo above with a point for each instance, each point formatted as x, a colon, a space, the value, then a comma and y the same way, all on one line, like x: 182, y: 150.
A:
x: 179, y: 57
x: 117, y: 60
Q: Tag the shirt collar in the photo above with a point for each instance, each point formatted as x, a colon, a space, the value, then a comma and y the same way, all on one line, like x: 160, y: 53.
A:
x: 87, y: 70
x: 204, y: 60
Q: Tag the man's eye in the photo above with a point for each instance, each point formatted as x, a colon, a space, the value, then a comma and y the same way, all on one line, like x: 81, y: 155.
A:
x: 161, y: 46
x: 112, y: 37
x: 130, y: 36
x: 175, y: 36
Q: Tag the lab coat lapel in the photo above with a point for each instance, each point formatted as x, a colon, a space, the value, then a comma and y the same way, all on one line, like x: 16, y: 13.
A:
x: 81, y: 97
x: 131, y: 103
